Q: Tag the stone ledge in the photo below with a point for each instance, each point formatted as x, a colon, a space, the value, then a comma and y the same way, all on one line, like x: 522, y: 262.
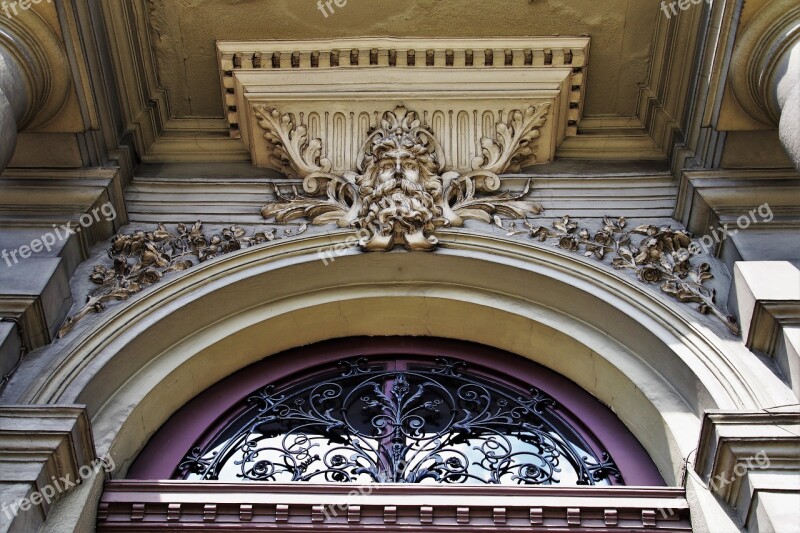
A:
x: 56, y: 196
x: 765, y: 296
x: 172, y: 505
x: 712, y: 198
x: 10, y: 348
x: 37, y: 293
x: 744, y: 452
x: 39, y: 443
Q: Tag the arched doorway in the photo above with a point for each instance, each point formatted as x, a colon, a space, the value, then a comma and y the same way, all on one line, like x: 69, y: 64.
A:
x: 638, y: 354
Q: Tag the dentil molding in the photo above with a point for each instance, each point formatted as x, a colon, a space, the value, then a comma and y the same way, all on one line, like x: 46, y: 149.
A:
x: 173, y: 506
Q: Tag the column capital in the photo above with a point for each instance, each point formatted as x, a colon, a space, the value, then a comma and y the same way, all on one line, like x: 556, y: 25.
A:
x: 35, y: 76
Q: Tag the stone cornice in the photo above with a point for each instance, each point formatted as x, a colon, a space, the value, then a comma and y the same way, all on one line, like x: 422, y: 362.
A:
x: 414, y: 56
x: 59, y: 435
x: 173, y: 193
x: 32, y: 202
x: 709, y: 197
x: 162, y: 139
x: 40, y: 444
x: 769, y: 318
x: 735, y: 444
x: 132, y: 505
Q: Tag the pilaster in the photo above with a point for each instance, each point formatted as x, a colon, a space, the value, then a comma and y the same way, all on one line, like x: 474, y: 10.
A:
x: 765, y: 297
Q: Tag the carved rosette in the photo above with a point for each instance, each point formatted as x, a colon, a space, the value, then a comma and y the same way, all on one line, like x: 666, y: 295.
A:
x: 401, y: 190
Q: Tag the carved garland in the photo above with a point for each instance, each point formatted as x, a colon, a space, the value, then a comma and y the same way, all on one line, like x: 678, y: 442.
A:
x: 663, y: 256
x: 141, y: 259
x: 401, y: 192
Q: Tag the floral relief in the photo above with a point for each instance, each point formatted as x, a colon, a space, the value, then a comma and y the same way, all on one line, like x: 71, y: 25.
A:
x: 656, y: 254
x: 661, y: 255
x: 400, y: 194
x: 141, y: 259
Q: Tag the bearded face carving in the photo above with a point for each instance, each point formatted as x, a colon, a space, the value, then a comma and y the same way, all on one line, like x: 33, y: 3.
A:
x: 401, y: 193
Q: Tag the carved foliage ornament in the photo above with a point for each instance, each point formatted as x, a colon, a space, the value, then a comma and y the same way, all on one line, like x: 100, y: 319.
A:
x: 662, y: 255
x: 401, y: 192
x: 141, y: 259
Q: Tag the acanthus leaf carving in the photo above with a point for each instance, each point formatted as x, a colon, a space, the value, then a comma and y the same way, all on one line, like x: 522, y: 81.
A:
x: 514, y: 140
x: 293, y: 151
x: 401, y: 192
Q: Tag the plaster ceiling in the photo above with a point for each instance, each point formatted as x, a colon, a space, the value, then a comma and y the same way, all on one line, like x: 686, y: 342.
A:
x: 184, y: 33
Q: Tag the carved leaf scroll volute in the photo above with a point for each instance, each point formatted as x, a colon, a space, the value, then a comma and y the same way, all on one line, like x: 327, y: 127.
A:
x: 295, y: 153
x: 514, y: 140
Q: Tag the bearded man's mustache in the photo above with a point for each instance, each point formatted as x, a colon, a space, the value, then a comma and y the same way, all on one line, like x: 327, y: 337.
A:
x: 405, y: 185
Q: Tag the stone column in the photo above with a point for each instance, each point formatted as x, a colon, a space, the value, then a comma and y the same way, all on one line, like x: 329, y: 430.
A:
x: 34, y: 77
x: 765, y: 71
x: 13, y: 102
x: 787, y: 94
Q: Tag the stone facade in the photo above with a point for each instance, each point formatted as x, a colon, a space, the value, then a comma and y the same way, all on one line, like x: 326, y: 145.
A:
x: 618, y: 203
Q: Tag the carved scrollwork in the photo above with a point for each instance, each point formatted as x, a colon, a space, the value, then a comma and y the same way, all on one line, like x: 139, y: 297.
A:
x: 442, y: 424
x: 514, y: 140
x: 401, y: 193
x: 293, y: 151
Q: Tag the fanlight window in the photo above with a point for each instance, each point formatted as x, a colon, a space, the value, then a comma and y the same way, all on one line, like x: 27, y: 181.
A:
x: 407, y: 421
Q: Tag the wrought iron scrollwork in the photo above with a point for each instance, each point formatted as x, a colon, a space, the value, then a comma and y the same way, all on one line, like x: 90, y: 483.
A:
x: 429, y: 423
